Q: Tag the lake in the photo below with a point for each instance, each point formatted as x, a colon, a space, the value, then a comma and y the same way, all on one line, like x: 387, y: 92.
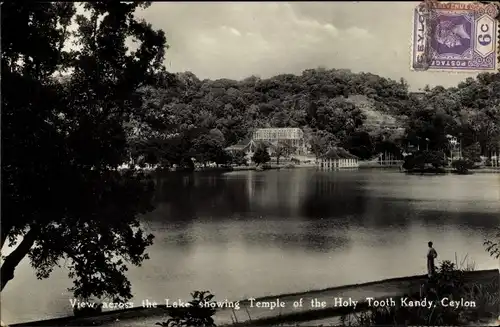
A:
x: 249, y: 234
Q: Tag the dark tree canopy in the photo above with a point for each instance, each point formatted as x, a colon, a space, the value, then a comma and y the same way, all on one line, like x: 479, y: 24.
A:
x: 364, y: 113
x: 73, y: 113
x: 64, y: 109
x: 261, y: 155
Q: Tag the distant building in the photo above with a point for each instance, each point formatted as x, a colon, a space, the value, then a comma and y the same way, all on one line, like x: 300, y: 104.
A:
x: 248, y: 146
x: 292, y: 136
x: 338, y: 158
x: 455, y: 147
x: 271, y: 138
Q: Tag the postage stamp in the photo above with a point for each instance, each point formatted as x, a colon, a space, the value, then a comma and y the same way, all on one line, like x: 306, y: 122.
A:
x: 455, y: 36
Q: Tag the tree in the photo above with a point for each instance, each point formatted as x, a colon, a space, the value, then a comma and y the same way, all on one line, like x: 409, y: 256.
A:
x: 283, y: 149
x: 239, y: 158
x: 207, y: 148
x: 261, y: 155
x: 64, y: 112
x: 223, y: 157
x: 472, y: 153
x: 360, y: 144
x: 421, y: 159
x: 493, y: 246
x: 199, y: 312
x: 320, y: 142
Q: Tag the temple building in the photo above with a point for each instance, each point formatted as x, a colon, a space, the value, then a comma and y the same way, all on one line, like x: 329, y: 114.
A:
x: 271, y: 138
x: 248, y: 146
x: 291, y: 136
x: 338, y: 158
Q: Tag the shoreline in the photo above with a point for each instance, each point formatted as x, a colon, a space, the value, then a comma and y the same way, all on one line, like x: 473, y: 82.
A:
x: 250, y: 316
x: 447, y: 170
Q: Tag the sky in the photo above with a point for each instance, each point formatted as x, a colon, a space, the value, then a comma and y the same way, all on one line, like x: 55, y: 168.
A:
x: 239, y: 39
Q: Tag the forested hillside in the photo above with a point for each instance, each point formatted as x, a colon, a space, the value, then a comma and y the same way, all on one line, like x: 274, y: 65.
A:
x: 365, y: 113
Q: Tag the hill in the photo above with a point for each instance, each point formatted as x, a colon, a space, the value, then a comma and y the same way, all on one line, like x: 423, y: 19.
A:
x: 362, y: 112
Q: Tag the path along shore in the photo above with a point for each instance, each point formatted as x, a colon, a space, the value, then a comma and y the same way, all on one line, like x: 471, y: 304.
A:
x: 253, y: 316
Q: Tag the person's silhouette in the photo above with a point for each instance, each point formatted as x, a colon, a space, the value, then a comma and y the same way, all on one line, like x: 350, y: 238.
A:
x: 431, y: 255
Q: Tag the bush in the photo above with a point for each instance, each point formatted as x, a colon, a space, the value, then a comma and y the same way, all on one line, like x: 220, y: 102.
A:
x: 239, y: 159
x: 422, y: 159
x: 87, y: 311
x: 448, y: 282
x: 462, y: 166
x: 261, y: 155
x: 199, y: 313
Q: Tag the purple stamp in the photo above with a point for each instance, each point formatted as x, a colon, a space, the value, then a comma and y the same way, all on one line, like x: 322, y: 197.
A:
x: 455, y: 37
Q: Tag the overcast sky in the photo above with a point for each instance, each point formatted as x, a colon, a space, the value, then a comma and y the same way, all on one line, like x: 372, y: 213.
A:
x: 239, y: 39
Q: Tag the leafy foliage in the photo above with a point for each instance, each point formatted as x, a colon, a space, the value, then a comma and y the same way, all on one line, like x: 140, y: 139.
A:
x: 363, y: 113
x: 198, y: 313
x: 493, y: 246
x: 73, y: 114
x: 448, y: 282
x: 283, y: 149
x: 422, y: 159
x: 472, y: 153
x: 238, y: 158
x: 261, y: 155
x: 64, y: 111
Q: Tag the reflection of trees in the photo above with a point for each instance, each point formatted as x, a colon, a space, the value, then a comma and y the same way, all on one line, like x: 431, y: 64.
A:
x: 332, y: 194
x: 323, y: 236
x: 304, y: 237
x: 188, y: 196
x: 305, y: 209
x: 486, y: 221
x: 358, y: 199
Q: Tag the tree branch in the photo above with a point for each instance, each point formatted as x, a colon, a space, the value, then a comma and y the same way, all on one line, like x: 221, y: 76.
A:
x: 5, y: 235
x: 13, y: 259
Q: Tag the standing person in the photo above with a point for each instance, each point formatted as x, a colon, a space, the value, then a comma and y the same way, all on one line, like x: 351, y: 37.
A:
x: 431, y: 255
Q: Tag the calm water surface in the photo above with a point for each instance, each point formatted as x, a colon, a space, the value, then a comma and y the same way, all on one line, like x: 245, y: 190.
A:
x: 244, y: 234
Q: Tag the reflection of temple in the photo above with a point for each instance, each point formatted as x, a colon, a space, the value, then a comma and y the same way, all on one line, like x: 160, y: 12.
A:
x: 338, y: 158
x: 279, y: 193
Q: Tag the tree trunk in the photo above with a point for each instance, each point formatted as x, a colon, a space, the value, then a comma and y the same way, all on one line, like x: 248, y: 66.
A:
x: 10, y: 263
x: 5, y: 234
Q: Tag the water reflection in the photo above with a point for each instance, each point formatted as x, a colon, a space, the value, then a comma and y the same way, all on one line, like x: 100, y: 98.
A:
x: 317, y: 211
x: 253, y: 233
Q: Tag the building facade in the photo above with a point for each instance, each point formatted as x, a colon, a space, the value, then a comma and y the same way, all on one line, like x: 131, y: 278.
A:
x: 248, y: 147
x: 271, y: 139
x: 338, y: 158
x: 291, y: 136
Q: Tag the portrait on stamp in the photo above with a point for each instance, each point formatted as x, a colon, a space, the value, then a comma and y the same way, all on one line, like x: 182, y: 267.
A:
x: 455, y: 36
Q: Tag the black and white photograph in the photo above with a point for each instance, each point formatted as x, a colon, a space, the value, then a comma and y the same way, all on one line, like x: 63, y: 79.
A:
x: 208, y: 164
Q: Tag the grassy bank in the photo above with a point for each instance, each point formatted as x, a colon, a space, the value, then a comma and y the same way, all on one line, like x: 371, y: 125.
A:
x: 247, y: 316
x: 480, y: 300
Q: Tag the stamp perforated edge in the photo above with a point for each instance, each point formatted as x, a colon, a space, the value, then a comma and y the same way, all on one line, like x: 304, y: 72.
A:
x: 452, y: 70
